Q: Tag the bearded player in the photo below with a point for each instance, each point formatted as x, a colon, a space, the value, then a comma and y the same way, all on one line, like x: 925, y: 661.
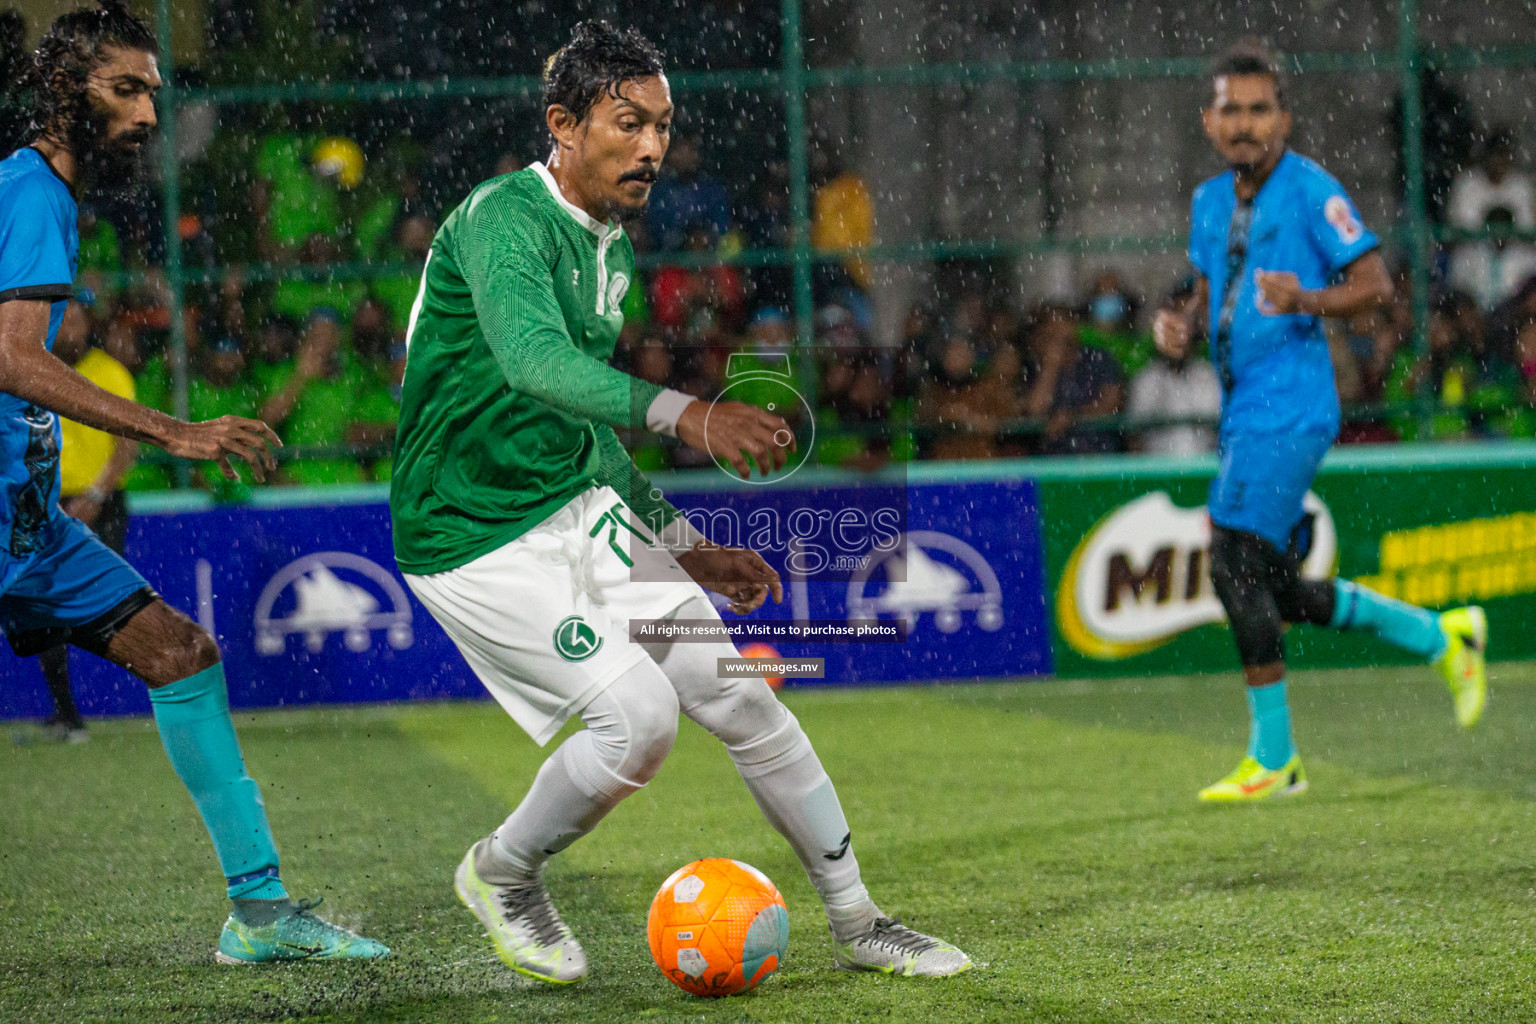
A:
x: 523, y: 526
x: 1277, y: 245
x: 93, y: 85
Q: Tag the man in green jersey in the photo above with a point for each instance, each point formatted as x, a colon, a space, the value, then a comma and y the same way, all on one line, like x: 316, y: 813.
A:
x: 528, y: 533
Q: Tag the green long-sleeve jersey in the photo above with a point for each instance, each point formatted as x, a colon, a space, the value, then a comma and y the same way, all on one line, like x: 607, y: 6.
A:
x: 508, y: 403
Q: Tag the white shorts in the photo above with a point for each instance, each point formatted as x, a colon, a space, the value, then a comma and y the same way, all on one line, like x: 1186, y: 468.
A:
x: 544, y: 620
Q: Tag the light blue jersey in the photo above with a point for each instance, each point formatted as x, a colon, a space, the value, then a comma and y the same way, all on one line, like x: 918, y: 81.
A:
x: 56, y: 576
x: 39, y: 247
x: 1276, y: 372
x: 1280, y: 407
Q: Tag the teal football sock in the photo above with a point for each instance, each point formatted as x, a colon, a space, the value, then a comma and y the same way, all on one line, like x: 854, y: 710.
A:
x: 192, y: 715
x: 1407, y: 626
x: 1269, y: 728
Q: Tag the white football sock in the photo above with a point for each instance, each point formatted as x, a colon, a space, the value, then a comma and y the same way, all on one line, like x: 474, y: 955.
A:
x: 795, y: 794
x: 630, y: 729
x: 776, y: 760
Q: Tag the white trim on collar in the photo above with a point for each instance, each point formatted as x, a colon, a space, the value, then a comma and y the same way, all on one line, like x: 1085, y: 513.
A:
x: 581, y: 216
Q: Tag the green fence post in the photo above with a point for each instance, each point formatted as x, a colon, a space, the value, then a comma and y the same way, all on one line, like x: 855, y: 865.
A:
x: 170, y: 169
x: 1415, y: 201
x: 793, y: 84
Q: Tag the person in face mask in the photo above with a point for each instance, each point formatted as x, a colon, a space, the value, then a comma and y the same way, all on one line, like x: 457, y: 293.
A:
x: 1108, y: 309
x: 1110, y: 322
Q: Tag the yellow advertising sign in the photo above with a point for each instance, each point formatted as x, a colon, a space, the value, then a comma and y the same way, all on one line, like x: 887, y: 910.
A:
x: 1459, y: 562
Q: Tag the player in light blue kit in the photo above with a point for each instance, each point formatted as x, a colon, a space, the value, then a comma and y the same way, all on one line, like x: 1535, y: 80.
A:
x: 93, y: 83
x: 1277, y: 245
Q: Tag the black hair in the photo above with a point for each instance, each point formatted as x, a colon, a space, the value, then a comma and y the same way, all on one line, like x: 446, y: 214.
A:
x: 1249, y: 56
x: 598, y: 60
x: 71, y: 49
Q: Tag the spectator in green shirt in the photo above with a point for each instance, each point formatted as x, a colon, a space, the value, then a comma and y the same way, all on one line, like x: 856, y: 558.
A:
x: 302, y: 298
x: 1519, y: 419
x: 292, y: 201
x: 152, y: 387
x: 310, y: 402
x: 863, y: 423
x: 101, y: 253
x: 1110, y: 324
x: 298, y: 207
x: 221, y: 388
x: 1448, y: 376
x: 389, y: 195
x: 762, y: 373
x: 412, y: 241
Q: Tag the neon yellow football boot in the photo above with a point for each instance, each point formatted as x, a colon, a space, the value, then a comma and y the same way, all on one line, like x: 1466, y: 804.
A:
x: 1464, y: 663
x: 1252, y: 781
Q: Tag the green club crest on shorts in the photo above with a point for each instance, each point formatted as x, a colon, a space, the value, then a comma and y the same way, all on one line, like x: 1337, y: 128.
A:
x: 575, y: 639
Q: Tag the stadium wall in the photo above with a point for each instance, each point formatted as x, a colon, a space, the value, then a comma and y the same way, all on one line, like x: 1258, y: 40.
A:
x: 1011, y: 569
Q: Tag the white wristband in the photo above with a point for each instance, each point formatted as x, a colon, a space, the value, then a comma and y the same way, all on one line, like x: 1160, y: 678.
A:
x: 679, y: 535
x: 665, y: 410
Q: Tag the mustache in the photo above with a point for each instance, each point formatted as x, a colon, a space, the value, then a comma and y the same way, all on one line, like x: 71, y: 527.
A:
x: 141, y: 136
x: 645, y: 174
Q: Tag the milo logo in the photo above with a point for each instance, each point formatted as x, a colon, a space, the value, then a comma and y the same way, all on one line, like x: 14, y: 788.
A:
x: 1141, y: 576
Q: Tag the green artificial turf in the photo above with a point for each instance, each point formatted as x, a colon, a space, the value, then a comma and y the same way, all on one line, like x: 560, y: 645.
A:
x: 1049, y: 829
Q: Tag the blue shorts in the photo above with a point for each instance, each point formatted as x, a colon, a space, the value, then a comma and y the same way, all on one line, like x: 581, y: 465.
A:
x: 75, y: 589
x: 1262, y: 480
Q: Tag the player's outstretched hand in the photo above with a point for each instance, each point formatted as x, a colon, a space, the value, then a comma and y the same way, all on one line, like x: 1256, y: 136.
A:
x: 737, y: 573
x: 251, y: 440
x: 739, y: 433
x: 1171, y: 332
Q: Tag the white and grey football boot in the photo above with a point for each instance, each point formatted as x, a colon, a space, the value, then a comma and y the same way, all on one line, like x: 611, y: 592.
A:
x: 523, y: 925
x: 892, y: 948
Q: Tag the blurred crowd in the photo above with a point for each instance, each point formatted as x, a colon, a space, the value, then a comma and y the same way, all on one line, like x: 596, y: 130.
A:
x: 320, y: 356
x: 274, y: 329
x: 301, y: 291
